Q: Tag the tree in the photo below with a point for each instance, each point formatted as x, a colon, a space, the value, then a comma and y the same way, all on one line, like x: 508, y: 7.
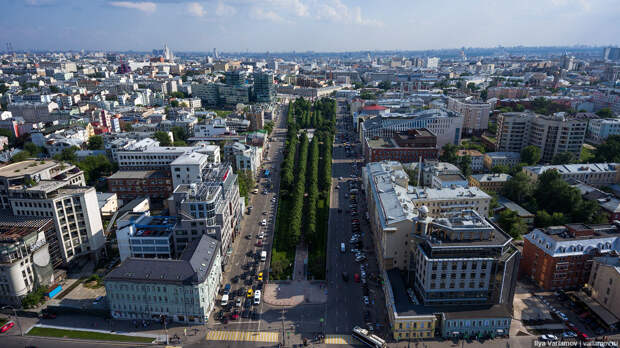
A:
x: 464, y: 164
x: 609, y: 151
x: 544, y: 219
x: 21, y: 156
x: 385, y: 85
x: 95, y: 142
x: 518, y: 188
x: 126, y: 127
x: 563, y: 158
x: 511, y: 223
x: 174, y: 103
x: 449, y: 153
x: 279, y: 263
x: 33, y: 149
x: 500, y: 168
x: 530, y: 154
x: 67, y: 155
x: 95, y: 167
x: 484, y: 94
x: 413, y: 176
x: 605, y: 113
x: 179, y: 133
x: 268, y: 127
x: 163, y: 138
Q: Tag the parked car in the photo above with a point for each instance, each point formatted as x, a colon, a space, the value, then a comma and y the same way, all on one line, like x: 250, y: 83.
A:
x: 6, y: 327
x: 549, y: 337
x: 366, y: 300
x: 569, y: 334
x: 345, y: 276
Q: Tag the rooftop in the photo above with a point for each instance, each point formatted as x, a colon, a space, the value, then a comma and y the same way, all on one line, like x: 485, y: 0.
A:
x: 427, y: 193
x: 191, y: 268
x: 13, y: 228
x: 138, y: 174
x: 507, y: 155
x: 27, y: 167
x: 575, y: 168
x: 494, y: 177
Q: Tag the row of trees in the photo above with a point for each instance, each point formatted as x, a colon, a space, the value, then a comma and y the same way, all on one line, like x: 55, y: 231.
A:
x: 304, y: 187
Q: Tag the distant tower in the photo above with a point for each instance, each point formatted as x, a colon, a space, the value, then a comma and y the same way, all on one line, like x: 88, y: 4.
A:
x: 215, y: 53
x: 168, y: 54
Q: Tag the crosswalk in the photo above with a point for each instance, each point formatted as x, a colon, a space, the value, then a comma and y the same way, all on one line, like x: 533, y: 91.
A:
x: 340, y: 339
x: 249, y: 336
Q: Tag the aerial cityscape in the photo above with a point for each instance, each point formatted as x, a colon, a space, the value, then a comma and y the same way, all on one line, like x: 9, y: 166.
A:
x: 321, y: 173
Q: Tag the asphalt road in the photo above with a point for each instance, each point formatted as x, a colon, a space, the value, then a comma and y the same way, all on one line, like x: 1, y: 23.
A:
x: 345, y: 308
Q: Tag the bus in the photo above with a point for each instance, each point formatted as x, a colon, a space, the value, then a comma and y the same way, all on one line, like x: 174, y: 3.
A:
x: 367, y: 338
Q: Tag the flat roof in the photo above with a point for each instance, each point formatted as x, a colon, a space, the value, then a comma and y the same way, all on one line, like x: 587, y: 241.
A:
x: 16, y: 227
x: 138, y: 174
x: 26, y: 167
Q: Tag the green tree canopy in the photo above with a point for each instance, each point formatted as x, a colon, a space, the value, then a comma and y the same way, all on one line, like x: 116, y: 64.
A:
x: 609, y: 151
x: 605, y: 113
x: 530, y: 154
x: 449, y: 153
x: 519, y: 188
x: 163, y: 138
x: 563, y: 158
x: 510, y: 222
x: 95, y: 142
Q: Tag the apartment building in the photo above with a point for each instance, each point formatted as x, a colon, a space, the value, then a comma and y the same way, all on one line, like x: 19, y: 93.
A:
x: 449, y: 201
x: 475, y: 113
x: 444, y: 124
x: 493, y: 182
x: 561, y: 256
x: 508, y: 92
x: 553, y: 134
x: 477, y: 159
x: 244, y: 157
x: 604, y: 284
x: 131, y: 184
x: 508, y: 159
x: 182, y: 290
x: 28, y: 253
x: 600, y: 129
x: 145, y: 236
x: 593, y: 174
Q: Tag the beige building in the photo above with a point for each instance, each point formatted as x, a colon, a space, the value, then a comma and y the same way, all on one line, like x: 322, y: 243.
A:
x: 604, y: 283
x: 594, y: 174
x: 553, y: 134
x: 475, y: 113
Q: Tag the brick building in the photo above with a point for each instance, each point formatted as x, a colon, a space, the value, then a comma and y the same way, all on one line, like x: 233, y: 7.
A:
x: 560, y: 257
x: 406, y: 146
x: 132, y: 184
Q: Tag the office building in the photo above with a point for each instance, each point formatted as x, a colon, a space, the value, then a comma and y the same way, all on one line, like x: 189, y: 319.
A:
x: 28, y: 253
x: 264, y: 88
x: 508, y: 92
x: 611, y: 53
x: 477, y: 159
x: 445, y: 125
x: 147, y: 154
x: 593, y: 174
x: 34, y: 112
x: 131, y: 184
x: 244, y: 157
x: 553, y: 134
x: 604, y: 288
x: 475, y: 113
x: 145, y: 236
x: 189, y: 168
x: 560, y: 257
x: 407, y: 146
x: 450, y: 201
x: 182, y: 290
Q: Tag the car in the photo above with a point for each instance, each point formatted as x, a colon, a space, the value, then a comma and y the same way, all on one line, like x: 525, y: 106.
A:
x: 97, y: 300
x: 239, y: 302
x: 356, y: 278
x: 366, y: 300
x: 360, y: 258
x: 583, y: 337
x: 250, y: 253
x: 260, y: 276
x: 261, y: 235
x: 549, y: 337
x: 259, y: 243
x: 234, y: 316
x: 250, y: 293
x: 569, y: 334
x: 6, y: 327
x: 345, y: 276
x: 339, y: 210
x: 248, y: 302
x: 245, y: 314
x: 263, y: 222
x: 254, y: 315
x: 264, y: 213
x: 235, y: 279
x: 48, y: 316
x: 340, y: 178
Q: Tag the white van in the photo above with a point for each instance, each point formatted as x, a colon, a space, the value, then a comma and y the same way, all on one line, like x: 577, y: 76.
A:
x: 263, y: 256
x: 224, y: 300
x: 343, y: 248
x: 257, y: 297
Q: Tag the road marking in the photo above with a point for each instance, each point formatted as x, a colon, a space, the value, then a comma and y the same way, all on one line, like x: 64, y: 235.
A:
x: 340, y: 339
x: 248, y: 336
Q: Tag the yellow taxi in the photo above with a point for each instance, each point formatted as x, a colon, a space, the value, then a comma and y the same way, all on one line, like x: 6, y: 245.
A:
x: 250, y: 293
x: 260, y: 276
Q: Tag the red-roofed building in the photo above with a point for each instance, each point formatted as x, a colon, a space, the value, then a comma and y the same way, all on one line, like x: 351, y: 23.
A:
x: 374, y: 110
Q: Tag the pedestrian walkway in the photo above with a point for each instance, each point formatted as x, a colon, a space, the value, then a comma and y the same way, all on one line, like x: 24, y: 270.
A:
x: 340, y: 339
x: 249, y: 336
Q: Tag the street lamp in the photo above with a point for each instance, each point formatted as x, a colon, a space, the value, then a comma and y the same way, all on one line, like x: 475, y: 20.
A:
x: 16, y: 319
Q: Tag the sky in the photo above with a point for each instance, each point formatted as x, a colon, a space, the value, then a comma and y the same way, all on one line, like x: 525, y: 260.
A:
x: 305, y: 25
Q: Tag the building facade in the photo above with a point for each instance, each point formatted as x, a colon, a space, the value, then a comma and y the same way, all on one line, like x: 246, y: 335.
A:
x: 408, y: 146
x: 475, y: 113
x: 131, y: 184
x: 593, y: 174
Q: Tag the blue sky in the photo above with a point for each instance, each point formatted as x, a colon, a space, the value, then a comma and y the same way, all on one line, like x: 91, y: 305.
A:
x: 319, y: 25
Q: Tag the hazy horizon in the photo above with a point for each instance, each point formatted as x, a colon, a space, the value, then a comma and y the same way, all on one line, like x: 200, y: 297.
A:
x: 305, y: 25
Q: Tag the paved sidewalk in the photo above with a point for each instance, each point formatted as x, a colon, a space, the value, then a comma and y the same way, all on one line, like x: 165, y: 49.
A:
x: 155, y: 337
x: 294, y: 293
x: 301, y: 257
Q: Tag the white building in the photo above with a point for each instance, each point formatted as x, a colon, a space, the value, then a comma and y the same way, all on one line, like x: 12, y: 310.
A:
x: 145, y: 236
x: 475, y: 113
x: 182, y: 290
x: 147, y: 154
x: 600, y: 129
x: 594, y: 174
x: 188, y: 168
x: 212, y: 128
x: 244, y: 157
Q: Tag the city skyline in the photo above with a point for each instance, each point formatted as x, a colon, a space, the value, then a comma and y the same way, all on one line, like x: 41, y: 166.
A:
x: 334, y: 25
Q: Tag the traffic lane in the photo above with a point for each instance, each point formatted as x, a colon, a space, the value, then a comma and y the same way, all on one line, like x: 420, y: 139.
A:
x: 31, y: 341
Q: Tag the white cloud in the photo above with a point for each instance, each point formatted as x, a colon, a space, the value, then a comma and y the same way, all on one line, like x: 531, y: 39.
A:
x: 266, y: 15
x: 196, y: 9
x: 224, y: 10
x: 144, y: 6
x: 336, y: 11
